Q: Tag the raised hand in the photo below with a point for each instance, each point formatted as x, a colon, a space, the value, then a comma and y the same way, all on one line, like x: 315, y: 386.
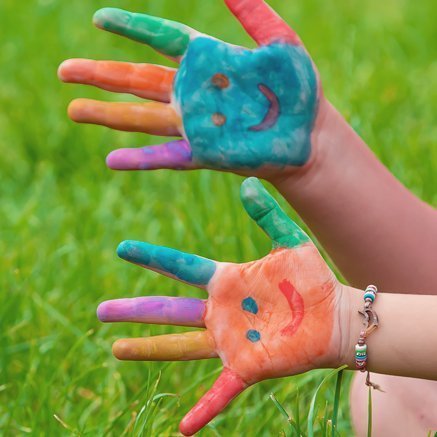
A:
x: 273, y: 317
x: 247, y: 111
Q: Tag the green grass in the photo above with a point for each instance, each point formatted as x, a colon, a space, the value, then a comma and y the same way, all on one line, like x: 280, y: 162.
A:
x: 62, y: 213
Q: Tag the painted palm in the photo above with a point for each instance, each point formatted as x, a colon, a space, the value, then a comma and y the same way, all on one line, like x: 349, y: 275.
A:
x: 268, y: 318
x: 249, y: 111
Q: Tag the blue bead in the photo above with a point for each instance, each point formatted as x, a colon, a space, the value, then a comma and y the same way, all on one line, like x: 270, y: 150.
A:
x: 369, y: 295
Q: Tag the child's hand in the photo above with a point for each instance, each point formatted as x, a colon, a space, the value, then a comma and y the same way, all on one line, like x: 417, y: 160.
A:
x: 269, y: 318
x: 248, y: 111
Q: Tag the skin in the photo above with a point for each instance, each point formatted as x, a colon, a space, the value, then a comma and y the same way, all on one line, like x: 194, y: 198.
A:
x: 392, y: 214
x: 281, y: 310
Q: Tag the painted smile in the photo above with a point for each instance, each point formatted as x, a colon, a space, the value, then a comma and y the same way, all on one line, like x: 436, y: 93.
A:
x: 295, y: 301
x: 273, y: 112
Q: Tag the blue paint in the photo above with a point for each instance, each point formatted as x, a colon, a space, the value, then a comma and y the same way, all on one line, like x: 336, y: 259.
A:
x: 285, y: 69
x: 249, y: 305
x: 253, y: 335
x: 186, y: 267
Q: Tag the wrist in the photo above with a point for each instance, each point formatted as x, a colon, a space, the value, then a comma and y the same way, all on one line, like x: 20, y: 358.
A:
x: 350, y: 325
x: 345, y: 329
x: 331, y: 138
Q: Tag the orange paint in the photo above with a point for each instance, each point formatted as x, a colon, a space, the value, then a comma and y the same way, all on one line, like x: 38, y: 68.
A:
x: 309, y: 333
x: 194, y: 345
x: 144, y: 80
x: 153, y: 118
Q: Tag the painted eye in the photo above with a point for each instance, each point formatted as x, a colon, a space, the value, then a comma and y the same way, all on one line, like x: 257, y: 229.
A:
x: 220, y: 80
x: 253, y: 335
x: 218, y: 119
x: 249, y: 304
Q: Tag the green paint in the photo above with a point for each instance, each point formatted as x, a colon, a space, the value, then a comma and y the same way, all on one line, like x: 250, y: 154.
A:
x: 261, y: 206
x: 168, y: 37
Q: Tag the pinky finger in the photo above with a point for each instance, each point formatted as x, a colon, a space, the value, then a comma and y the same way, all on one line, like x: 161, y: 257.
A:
x: 227, y: 387
x: 172, y: 155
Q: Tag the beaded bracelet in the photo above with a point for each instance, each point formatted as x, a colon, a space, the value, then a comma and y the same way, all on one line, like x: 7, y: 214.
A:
x: 371, y: 322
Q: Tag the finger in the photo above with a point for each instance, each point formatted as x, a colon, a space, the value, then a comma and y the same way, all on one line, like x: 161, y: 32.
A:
x: 165, y: 36
x: 261, y: 22
x: 173, y: 155
x: 197, y: 345
x: 261, y: 206
x: 188, y: 268
x: 143, y: 80
x: 158, y: 310
x: 152, y: 118
x: 227, y: 387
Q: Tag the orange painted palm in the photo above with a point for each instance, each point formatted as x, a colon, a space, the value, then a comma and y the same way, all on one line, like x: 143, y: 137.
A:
x: 269, y: 318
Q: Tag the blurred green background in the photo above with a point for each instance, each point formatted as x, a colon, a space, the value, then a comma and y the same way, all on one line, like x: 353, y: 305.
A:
x: 62, y: 212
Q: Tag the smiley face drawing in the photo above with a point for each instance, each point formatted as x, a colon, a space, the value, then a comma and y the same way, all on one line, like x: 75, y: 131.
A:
x: 231, y: 108
x: 260, y: 314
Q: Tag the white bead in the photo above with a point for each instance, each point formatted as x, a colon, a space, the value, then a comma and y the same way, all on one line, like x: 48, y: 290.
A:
x: 372, y: 288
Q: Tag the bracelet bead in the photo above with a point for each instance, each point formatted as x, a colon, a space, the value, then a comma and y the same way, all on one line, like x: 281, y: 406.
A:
x: 360, y: 354
x: 361, y: 348
x: 372, y: 288
x: 369, y: 295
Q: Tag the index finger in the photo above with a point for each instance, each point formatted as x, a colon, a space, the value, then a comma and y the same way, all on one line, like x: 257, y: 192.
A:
x: 269, y: 216
x: 261, y: 22
x: 168, y: 37
x: 192, y: 269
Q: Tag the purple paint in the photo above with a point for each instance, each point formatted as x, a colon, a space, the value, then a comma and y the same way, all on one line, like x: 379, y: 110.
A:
x: 273, y: 113
x: 155, y: 310
x: 175, y: 155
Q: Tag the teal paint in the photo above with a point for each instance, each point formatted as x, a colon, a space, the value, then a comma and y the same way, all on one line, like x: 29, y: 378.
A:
x: 186, y: 267
x: 249, y: 305
x: 269, y: 104
x: 253, y: 335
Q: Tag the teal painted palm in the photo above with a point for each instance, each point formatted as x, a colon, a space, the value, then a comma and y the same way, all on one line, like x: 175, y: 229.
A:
x: 247, y: 108
x: 234, y: 109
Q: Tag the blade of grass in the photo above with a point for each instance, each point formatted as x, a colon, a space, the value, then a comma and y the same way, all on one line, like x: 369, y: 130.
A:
x: 313, y: 400
x: 324, y: 421
x: 140, y: 422
x: 336, y: 402
x: 291, y: 422
x: 297, y: 412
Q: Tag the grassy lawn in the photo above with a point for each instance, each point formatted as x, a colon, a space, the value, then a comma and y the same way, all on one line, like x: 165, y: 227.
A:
x: 62, y: 212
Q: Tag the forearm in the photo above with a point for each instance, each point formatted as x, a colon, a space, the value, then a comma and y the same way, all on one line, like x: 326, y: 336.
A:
x: 374, y: 229
x: 405, y: 342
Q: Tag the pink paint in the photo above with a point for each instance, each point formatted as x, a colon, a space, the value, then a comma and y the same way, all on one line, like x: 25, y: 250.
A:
x: 295, y: 301
x: 261, y: 22
x: 155, y: 310
x: 273, y: 113
x: 174, y: 155
x: 226, y: 388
